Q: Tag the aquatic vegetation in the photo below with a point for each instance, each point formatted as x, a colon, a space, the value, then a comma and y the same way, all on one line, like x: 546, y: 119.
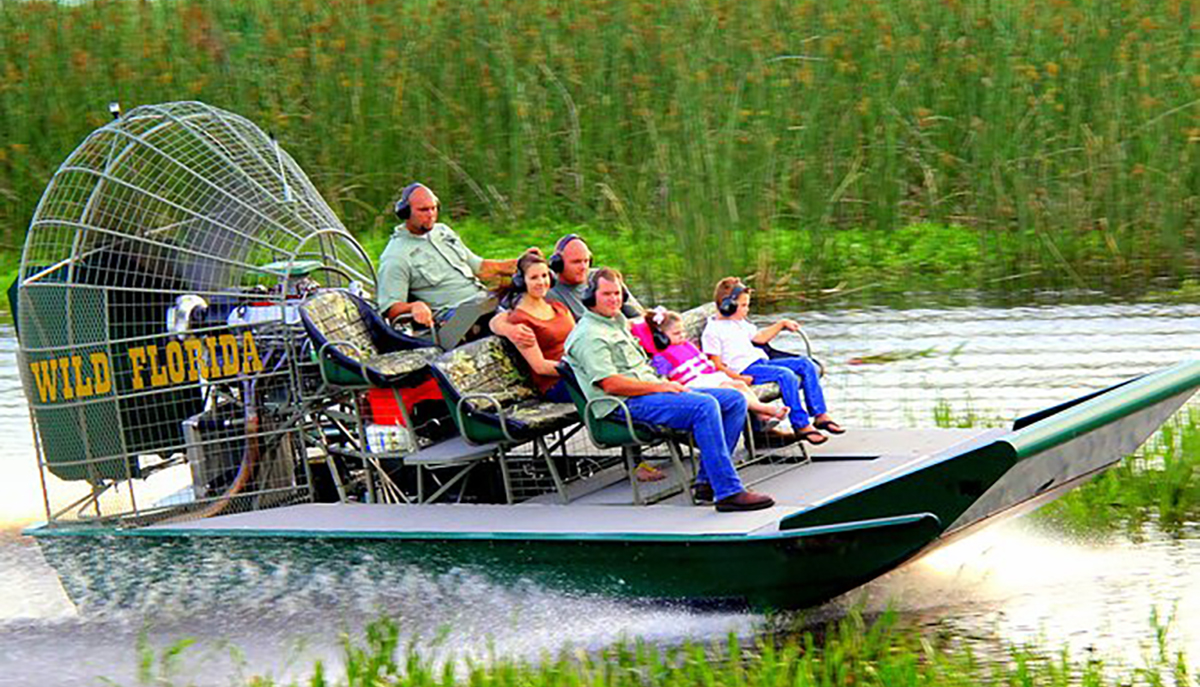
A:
x: 1159, y: 485
x: 1026, y: 143
x: 852, y: 650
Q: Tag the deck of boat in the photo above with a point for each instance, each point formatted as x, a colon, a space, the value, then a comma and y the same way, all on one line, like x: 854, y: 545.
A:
x: 843, y: 464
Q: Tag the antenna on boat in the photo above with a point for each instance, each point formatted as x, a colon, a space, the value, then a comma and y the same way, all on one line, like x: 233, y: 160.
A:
x: 114, y: 109
x: 287, y: 190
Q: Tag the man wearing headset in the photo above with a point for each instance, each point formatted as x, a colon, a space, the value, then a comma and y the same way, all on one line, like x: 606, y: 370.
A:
x: 571, y: 261
x: 426, y: 269
x: 609, y: 362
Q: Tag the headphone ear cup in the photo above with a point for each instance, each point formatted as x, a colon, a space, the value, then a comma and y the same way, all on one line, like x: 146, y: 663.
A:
x: 727, y: 307
x: 556, y: 263
x: 589, y: 295
x: 403, y: 211
x: 518, y: 281
x: 660, y: 340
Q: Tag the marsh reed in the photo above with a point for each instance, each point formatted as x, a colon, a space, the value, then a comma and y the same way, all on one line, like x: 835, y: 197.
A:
x: 1055, y: 142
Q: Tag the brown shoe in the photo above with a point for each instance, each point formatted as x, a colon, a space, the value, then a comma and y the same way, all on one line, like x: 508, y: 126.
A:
x: 702, y: 492
x: 745, y: 500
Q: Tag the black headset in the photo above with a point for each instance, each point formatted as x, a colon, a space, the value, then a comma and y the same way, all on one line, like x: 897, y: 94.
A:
x: 728, y: 305
x: 403, y: 209
x: 589, y: 294
x: 518, y: 279
x: 556, y: 258
x: 660, y: 338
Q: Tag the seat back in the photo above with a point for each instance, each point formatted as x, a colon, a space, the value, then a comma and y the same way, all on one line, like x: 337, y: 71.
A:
x: 335, y: 315
x: 695, y: 319
x: 486, y: 366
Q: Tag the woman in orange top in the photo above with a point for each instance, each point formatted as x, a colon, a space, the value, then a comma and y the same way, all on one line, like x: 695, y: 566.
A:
x: 551, y: 322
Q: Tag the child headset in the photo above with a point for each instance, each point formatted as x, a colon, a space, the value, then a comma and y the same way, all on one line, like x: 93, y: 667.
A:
x: 403, y: 209
x: 659, y: 337
x: 556, y: 258
x: 728, y: 305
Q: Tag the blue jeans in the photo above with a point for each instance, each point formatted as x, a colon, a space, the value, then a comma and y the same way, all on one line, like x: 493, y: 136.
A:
x: 791, y: 374
x: 715, y: 417
x: 558, y: 393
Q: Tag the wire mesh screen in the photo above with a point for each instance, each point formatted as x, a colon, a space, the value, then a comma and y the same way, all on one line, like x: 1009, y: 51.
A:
x: 156, y: 314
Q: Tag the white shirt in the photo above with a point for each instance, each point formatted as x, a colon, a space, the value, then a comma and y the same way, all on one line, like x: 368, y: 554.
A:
x: 732, y: 341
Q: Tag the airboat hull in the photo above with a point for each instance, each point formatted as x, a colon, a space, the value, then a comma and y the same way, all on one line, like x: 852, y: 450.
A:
x: 871, y: 500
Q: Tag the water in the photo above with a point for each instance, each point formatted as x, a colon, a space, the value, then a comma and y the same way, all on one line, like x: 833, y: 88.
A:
x: 1017, y: 582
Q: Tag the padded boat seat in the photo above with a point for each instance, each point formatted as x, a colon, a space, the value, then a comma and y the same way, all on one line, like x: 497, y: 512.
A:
x: 492, y: 396
x: 353, y: 340
x: 492, y: 399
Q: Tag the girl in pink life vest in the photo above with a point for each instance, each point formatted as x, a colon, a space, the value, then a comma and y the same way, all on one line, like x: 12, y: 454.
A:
x: 680, y: 361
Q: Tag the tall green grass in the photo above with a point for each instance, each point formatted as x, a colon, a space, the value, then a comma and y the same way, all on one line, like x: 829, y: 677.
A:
x: 851, y: 651
x: 1060, y: 137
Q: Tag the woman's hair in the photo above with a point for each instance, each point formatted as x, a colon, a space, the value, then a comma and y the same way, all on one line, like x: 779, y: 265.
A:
x: 511, y: 292
x: 658, y: 320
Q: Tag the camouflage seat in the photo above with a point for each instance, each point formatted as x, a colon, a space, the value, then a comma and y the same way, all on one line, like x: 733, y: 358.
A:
x: 492, y: 398
x: 356, y: 347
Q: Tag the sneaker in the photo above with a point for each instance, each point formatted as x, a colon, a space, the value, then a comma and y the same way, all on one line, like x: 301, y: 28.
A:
x: 743, y: 501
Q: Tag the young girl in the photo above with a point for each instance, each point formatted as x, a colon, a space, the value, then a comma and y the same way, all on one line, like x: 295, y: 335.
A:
x: 729, y: 338
x: 678, y: 359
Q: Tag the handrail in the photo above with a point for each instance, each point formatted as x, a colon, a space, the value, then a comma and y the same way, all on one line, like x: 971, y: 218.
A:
x: 499, y: 412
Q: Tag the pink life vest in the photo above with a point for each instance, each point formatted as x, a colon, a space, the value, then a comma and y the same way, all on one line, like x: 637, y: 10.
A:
x: 687, y: 362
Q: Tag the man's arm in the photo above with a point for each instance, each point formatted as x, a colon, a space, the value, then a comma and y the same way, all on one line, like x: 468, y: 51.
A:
x: 420, y: 311
x: 490, y: 269
x: 620, y: 385
x: 519, y: 334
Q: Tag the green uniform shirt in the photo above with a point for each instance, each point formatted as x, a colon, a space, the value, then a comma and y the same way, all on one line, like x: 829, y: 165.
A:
x: 600, y: 347
x: 437, y: 269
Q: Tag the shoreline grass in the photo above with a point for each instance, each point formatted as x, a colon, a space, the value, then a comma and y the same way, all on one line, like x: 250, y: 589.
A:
x: 849, y: 651
x: 1056, y: 142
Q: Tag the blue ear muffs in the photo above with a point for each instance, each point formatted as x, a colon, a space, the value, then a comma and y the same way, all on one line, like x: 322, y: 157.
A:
x: 728, y: 305
x: 403, y: 209
x: 556, y: 258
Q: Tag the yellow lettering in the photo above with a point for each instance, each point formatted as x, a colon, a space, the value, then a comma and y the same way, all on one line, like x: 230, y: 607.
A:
x: 102, y: 384
x: 64, y: 364
x: 81, y: 390
x: 214, y: 370
x: 175, y: 365
x: 137, y: 361
x: 229, y: 351
x: 250, y: 361
x: 158, y: 375
x: 47, y: 389
x: 195, y: 358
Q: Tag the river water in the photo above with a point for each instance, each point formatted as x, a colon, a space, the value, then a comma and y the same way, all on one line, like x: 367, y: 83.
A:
x: 1017, y: 582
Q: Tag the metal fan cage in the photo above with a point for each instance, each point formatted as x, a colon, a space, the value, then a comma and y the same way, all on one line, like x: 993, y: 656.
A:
x: 156, y: 317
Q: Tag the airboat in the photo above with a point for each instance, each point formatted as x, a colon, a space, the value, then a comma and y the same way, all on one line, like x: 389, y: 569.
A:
x: 205, y: 372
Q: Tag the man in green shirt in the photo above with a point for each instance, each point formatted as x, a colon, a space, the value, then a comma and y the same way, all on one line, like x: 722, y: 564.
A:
x: 608, y: 363
x: 426, y: 269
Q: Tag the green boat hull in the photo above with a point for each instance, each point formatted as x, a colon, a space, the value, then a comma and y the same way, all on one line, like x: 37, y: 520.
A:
x: 781, y: 571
